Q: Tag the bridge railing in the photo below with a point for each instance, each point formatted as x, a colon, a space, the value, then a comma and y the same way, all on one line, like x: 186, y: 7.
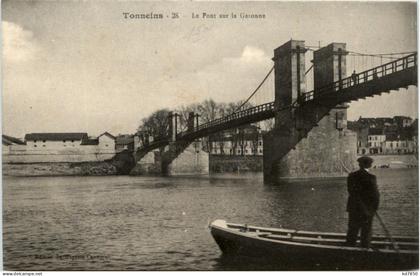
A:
x: 234, y: 116
x: 157, y: 141
x: 353, y: 80
x: 363, y: 77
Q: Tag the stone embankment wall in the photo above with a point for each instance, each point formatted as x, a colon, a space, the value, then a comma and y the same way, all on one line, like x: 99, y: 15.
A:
x: 62, y: 168
x: 87, y: 153
x: 121, y: 163
x: 234, y: 163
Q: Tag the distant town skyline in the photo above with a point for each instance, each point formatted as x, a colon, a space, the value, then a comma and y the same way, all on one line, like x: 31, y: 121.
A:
x: 83, y: 66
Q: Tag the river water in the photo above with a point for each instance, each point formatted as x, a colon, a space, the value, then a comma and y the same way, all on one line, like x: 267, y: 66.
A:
x: 158, y: 223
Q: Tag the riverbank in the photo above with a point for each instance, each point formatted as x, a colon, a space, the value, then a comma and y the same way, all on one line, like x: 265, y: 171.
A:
x: 395, y: 161
x: 60, y: 169
x: 120, y: 164
x: 254, y: 163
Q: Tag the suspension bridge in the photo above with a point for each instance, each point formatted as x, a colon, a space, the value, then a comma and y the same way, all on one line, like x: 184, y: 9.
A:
x: 283, y: 95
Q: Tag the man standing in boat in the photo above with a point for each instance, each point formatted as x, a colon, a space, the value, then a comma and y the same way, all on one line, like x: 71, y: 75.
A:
x: 362, y: 203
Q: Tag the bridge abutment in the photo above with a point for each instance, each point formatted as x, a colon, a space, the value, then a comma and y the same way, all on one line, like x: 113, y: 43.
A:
x: 314, y: 142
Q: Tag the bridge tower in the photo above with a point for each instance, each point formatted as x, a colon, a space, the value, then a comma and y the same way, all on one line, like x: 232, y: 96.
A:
x: 312, y: 143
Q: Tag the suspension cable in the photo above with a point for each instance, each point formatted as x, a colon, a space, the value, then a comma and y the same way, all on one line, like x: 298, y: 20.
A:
x: 313, y: 48
x: 382, y: 54
x: 255, y: 91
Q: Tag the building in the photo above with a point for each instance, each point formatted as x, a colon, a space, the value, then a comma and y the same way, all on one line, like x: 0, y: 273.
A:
x: 402, y: 121
x: 68, y: 140
x: 376, y: 139
x: 397, y: 135
x: 124, y: 142
x: 399, y: 144
x: 241, y: 141
x: 41, y: 141
x: 62, y: 147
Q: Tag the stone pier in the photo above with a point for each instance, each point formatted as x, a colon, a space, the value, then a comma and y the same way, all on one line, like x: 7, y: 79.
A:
x: 177, y: 158
x: 308, y: 145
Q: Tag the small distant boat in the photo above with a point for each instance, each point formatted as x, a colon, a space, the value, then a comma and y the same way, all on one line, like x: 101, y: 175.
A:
x: 397, y: 165
x: 317, y: 249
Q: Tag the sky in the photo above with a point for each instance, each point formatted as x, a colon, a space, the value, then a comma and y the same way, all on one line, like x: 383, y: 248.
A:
x: 80, y: 66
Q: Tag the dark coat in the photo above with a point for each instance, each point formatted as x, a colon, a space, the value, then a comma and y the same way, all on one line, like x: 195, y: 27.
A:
x: 363, y: 193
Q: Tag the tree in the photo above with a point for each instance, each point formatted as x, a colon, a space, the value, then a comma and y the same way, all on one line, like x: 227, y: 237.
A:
x: 156, y: 125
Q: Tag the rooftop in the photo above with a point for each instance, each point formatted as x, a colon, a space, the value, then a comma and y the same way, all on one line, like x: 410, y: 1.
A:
x: 9, y: 140
x: 124, y: 139
x: 375, y: 131
x: 56, y: 136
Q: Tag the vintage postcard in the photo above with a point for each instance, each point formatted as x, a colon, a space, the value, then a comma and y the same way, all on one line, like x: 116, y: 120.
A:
x: 209, y: 136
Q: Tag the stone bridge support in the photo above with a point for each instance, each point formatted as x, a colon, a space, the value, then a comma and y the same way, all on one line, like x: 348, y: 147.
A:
x: 185, y: 157
x: 180, y: 157
x: 312, y: 141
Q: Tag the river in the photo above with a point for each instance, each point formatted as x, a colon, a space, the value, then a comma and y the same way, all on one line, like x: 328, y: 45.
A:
x: 158, y: 223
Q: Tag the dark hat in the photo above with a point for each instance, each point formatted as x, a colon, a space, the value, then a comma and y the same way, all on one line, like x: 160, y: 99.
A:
x: 366, y: 160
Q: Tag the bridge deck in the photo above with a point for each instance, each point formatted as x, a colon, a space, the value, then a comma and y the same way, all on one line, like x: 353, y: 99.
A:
x: 390, y: 76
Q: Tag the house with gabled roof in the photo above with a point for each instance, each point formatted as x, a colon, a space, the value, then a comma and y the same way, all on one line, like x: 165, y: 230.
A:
x: 106, y: 141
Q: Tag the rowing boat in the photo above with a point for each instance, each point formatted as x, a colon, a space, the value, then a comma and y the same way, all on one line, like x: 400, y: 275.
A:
x: 315, y: 249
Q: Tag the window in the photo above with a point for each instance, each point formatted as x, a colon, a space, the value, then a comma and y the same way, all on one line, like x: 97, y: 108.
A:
x: 43, y: 146
x: 34, y: 141
x: 34, y: 146
x: 72, y: 141
x: 260, y: 143
x: 64, y: 141
x: 43, y: 141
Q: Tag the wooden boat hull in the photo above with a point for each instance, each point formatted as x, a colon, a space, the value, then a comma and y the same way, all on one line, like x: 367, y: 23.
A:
x: 303, y: 256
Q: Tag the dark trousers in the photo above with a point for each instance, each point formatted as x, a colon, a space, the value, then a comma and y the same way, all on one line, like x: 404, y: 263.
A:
x: 358, y: 221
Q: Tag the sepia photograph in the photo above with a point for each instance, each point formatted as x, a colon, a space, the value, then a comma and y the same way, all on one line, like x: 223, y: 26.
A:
x: 209, y: 136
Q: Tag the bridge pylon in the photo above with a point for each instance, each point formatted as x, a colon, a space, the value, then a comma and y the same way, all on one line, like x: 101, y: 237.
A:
x: 309, y: 141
